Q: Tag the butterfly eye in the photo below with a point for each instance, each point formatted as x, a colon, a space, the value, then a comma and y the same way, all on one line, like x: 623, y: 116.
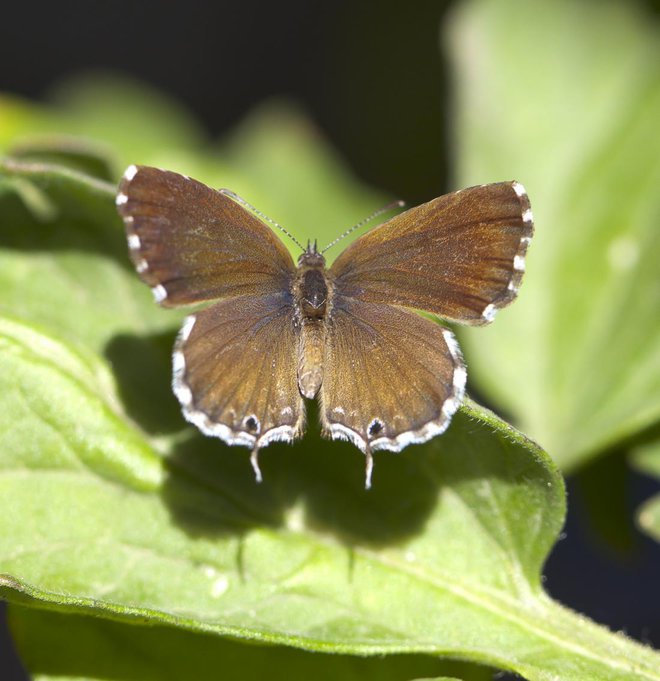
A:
x: 375, y: 427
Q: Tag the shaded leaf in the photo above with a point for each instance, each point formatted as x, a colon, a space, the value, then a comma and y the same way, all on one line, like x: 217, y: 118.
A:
x: 63, y: 256
x: 72, y: 152
x: 604, y: 490
x: 56, y: 646
x: 647, y: 459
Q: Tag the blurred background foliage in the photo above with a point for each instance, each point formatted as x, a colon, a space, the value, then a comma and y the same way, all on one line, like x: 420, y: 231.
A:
x: 318, y: 114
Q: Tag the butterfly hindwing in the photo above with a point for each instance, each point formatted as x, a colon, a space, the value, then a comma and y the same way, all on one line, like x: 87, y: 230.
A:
x: 235, y: 371
x: 460, y: 256
x: 392, y: 377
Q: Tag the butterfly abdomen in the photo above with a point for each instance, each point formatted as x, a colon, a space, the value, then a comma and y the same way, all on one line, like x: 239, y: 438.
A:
x: 311, y: 350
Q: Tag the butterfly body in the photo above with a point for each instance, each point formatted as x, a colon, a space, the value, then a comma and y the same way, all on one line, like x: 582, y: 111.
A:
x: 312, y: 296
x: 275, y: 333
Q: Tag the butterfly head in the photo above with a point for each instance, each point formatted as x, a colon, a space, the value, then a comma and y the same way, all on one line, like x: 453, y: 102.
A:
x: 311, y: 257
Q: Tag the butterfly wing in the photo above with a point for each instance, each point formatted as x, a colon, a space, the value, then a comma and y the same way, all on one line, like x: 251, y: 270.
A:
x: 460, y: 256
x: 392, y: 377
x: 235, y: 371
x: 234, y: 362
x: 191, y: 243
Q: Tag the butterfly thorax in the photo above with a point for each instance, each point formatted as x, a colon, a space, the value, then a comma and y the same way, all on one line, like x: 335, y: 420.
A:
x: 312, y: 294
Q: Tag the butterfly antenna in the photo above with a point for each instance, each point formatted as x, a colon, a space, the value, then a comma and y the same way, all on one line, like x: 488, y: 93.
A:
x: 380, y: 211
x: 250, y: 207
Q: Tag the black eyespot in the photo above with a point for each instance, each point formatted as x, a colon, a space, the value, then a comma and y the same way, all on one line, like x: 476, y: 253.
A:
x: 375, y: 427
x: 251, y: 424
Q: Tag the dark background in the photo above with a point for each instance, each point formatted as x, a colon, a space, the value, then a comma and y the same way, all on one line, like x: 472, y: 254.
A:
x: 372, y: 77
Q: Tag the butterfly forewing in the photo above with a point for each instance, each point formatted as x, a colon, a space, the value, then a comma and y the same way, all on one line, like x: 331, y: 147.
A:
x: 460, y: 256
x: 396, y: 377
x: 235, y: 370
x: 191, y: 243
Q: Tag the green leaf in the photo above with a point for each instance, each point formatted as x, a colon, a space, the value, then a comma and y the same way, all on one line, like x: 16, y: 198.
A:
x: 54, y: 646
x: 63, y: 257
x: 64, y: 267
x: 19, y: 118
x: 73, y: 152
x: 648, y: 517
x: 125, y: 112
x: 646, y: 458
x: 139, y: 124
x: 442, y: 557
x: 565, y: 97
x: 60, y: 416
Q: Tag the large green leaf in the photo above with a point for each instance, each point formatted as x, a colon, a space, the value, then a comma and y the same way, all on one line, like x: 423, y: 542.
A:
x: 443, y: 556
x: 564, y: 96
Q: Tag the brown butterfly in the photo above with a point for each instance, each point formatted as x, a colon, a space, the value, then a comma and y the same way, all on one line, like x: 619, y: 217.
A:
x: 386, y: 377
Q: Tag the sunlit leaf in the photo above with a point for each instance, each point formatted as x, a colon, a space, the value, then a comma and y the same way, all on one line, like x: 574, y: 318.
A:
x: 565, y: 97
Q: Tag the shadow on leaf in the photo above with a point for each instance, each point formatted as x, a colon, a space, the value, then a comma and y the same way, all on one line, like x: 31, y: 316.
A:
x: 320, y: 485
x: 210, y: 488
x: 142, y: 368
x: 50, y: 218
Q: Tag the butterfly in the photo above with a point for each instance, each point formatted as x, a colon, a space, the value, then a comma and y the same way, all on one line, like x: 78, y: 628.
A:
x: 276, y: 333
